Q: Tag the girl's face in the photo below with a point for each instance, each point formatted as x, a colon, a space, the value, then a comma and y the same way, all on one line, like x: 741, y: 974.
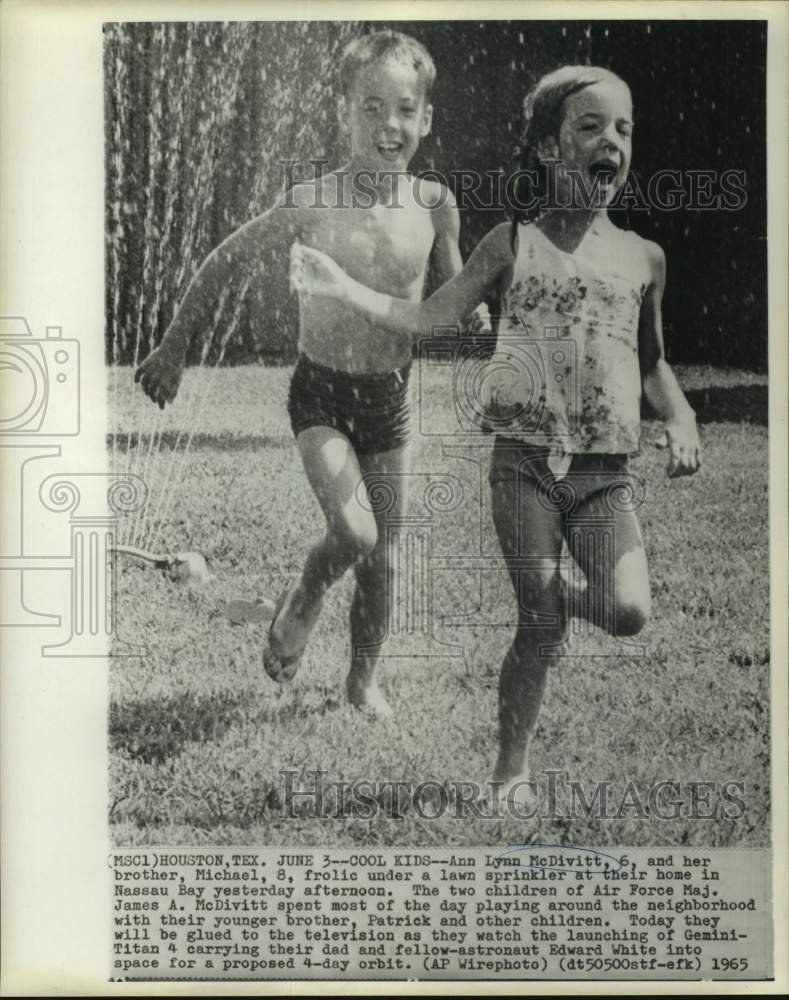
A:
x: 595, y: 140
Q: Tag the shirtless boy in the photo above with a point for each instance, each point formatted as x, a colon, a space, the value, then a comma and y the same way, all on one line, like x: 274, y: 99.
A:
x: 348, y: 400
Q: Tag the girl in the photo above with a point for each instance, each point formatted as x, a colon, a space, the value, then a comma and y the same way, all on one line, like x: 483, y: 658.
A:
x: 581, y: 309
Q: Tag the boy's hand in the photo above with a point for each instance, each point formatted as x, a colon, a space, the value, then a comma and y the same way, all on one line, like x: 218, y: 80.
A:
x: 160, y: 375
x: 682, y: 439
x: 314, y: 273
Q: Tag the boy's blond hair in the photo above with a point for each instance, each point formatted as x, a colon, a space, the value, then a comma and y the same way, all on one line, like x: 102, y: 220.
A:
x: 381, y: 46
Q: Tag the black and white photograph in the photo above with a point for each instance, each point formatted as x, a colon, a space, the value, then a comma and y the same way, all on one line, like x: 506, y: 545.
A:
x: 416, y: 489
x: 452, y: 516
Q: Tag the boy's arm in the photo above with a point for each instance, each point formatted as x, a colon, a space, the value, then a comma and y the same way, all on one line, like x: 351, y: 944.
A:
x: 659, y: 383
x: 242, y: 253
x: 314, y: 273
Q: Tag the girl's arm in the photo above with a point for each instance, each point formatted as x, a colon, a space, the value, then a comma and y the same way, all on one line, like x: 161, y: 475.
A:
x: 313, y: 273
x: 241, y: 253
x: 445, y: 259
x: 659, y: 383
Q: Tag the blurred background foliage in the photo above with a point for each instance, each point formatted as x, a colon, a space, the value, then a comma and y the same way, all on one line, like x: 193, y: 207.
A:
x: 201, y: 119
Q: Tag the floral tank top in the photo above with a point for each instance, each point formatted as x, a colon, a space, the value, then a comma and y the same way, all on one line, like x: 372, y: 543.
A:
x: 565, y: 371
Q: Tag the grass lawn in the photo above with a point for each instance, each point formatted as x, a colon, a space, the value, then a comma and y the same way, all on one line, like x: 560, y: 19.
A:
x: 199, y: 735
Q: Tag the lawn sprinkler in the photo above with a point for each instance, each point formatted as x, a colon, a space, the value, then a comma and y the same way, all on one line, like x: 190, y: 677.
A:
x: 188, y: 567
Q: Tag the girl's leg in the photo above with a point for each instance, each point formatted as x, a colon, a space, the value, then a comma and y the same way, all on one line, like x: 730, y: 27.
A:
x: 375, y: 583
x: 617, y: 597
x: 526, y: 528
x: 334, y: 474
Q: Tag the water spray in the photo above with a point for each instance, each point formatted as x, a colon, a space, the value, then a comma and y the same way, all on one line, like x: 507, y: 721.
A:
x: 183, y: 566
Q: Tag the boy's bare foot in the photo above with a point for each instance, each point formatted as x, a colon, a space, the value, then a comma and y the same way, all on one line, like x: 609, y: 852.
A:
x: 363, y: 693
x: 294, y: 622
x: 288, y: 634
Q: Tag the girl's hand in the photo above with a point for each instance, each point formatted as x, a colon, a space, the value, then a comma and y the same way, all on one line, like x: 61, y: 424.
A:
x: 478, y: 323
x: 684, y: 446
x: 160, y: 374
x: 315, y: 273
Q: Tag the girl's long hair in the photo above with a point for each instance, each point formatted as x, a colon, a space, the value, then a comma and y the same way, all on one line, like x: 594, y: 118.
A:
x: 543, y: 111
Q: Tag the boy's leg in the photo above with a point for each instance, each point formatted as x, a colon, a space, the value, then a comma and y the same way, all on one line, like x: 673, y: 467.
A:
x: 375, y: 583
x: 526, y: 529
x: 624, y: 608
x: 333, y: 471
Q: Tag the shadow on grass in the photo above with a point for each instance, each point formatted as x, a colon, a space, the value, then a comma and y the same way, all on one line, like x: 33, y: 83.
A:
x: 157, y: 728
x: 741, y: 404
x: 153, y: 729
x: 173, y: 440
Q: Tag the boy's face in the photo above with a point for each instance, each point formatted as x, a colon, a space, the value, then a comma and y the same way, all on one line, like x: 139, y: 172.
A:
x: 387, y: 115
x: 595, y: 138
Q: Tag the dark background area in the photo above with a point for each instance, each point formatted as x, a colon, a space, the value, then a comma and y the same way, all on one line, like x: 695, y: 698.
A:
x: 199, y: 118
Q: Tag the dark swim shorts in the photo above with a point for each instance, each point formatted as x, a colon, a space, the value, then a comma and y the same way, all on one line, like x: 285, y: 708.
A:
x: 371, y: 410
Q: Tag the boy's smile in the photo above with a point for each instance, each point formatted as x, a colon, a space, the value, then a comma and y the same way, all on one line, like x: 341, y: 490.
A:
x: 388, y: 115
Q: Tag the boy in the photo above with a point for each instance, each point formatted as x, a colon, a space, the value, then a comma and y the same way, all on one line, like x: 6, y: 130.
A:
x: 348, y: 399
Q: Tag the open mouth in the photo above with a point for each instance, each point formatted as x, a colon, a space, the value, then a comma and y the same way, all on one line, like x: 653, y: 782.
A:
x: 605, y: 170
x: 389, y: 148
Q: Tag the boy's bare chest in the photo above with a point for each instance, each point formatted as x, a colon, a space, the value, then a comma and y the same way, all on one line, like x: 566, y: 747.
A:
x: 386, y: 248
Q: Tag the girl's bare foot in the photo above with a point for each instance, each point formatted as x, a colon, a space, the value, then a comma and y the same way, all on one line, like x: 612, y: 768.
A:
x: 514, y: 793
x: 518, y: 797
